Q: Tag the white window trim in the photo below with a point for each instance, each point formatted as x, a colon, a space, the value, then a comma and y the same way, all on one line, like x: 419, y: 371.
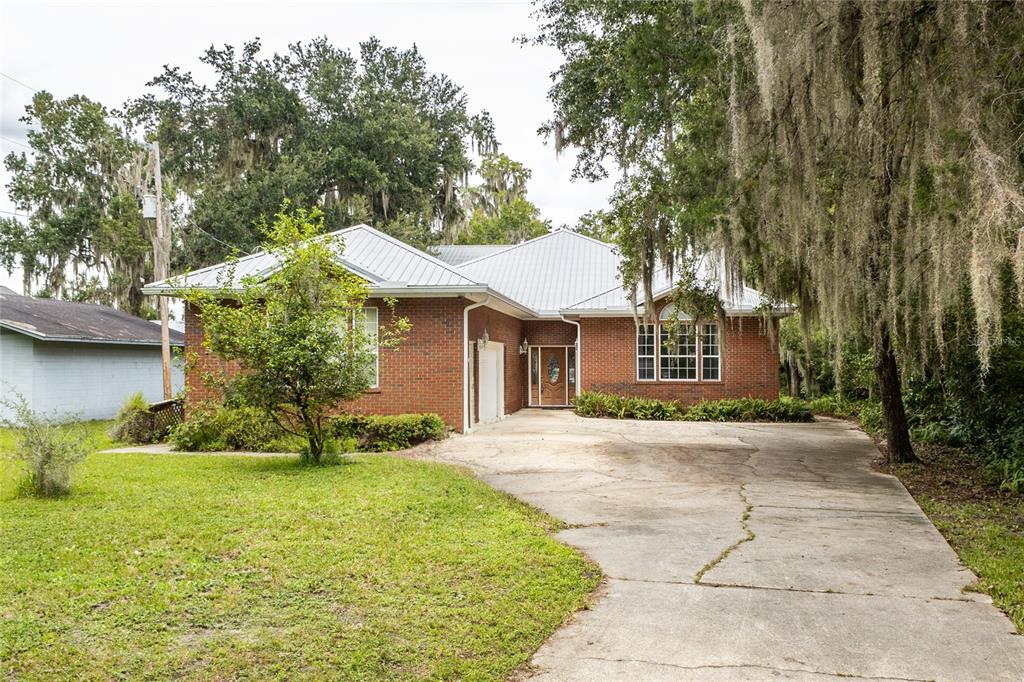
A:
x: 654, y: 357
x: 695, y: 356
x: 718, y: 354
x: 376, y: 345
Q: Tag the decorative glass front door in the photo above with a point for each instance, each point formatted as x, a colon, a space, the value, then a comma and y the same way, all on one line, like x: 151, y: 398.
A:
x: 553, y: 383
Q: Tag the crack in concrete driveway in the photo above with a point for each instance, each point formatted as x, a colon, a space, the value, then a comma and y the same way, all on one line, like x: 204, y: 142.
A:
x: 838, y: 573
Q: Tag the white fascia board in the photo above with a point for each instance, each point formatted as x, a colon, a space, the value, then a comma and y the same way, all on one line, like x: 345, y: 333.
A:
x: 627, y: 312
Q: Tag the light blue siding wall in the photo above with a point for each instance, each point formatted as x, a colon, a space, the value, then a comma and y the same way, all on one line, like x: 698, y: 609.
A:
x: 89, y: 380
x: 15, y: 367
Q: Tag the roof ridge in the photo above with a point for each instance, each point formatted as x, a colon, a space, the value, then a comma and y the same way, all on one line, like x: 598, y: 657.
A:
x: 513, y: 247
x: 412, y: 249
x: 610, y: 247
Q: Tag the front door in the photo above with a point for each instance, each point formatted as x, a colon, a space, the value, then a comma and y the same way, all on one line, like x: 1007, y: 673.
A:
x: 553, y: 377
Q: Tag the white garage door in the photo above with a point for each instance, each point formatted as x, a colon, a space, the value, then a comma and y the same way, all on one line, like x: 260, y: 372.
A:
x: 492, y: 382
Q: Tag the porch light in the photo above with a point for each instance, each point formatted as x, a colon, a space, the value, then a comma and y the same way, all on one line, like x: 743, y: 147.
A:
x: 481, y: 343
x: 524, y: 347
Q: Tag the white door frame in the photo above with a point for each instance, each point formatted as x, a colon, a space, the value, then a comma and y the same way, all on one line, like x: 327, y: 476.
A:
x: 540, y: 388
x: 498, y: 349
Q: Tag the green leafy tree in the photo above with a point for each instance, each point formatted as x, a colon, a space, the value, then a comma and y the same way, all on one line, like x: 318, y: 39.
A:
x: 862, y: 159
x: 372, y: 137
x: 499, y: 212
x: 297, y: 335
x: 84, y: 237
x: 598, y: 225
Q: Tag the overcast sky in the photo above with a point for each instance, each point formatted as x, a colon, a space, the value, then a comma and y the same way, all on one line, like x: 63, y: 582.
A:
x: 109, y: 50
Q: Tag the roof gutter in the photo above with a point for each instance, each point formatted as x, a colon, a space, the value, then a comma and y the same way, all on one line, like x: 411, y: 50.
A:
x: 466, y: 426
x: 579, y: 361
x: 83, y: 339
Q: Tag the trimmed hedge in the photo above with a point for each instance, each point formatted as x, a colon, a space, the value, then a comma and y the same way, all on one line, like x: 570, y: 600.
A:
x: 212, y: 428
x: 593, y: 404
x: 381, y: 433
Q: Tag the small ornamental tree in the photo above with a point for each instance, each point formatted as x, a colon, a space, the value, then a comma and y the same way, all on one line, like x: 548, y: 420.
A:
x: 297, y: 333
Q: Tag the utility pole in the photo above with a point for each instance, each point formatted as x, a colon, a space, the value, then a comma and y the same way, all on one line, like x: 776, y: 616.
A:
x: 161, y: 270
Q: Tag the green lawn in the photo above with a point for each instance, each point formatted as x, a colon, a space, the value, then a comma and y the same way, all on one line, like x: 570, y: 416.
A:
x: 228, y: 567
x: 990, y: 545
x: 983, y: 524
x: 94, y: 431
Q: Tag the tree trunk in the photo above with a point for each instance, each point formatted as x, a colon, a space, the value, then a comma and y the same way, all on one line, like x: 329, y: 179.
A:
x: 897, y: 433
x: 314, y: 437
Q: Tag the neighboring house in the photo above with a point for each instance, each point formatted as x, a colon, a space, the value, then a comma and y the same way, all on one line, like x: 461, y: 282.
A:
x: 78, y: 359
x: 499, y: 328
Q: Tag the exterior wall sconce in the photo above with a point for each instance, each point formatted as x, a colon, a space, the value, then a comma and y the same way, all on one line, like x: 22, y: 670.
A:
x: 481, y: 343
x: 524, y: 347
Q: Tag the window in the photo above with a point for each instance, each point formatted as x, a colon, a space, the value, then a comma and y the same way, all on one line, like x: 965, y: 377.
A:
x: 678, y: 353
x: 645, y: 352
x: 710, y: 357
x: 366, y: 320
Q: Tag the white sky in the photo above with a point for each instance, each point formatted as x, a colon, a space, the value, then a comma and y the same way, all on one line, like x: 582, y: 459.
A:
x: 108, y: 51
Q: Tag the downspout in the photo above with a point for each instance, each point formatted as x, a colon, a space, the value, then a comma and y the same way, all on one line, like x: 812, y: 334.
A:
x: 579, y: 361
x: 465, y: 362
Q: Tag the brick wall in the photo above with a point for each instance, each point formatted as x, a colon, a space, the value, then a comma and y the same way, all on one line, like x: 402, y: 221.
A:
x: 201, y: 364
x: 509, y: 331
x: 424, y: 374
x: 750, y: 363
x: 550, y: 333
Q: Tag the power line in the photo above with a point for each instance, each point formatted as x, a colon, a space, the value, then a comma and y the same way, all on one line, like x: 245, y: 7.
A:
x: 20, y: 144
x: 21, y: 83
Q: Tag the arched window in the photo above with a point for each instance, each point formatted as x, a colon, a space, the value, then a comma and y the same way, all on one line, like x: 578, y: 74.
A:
x: 668, y: 312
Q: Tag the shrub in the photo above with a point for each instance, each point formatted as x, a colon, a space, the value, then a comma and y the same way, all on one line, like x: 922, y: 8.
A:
x: 134, y: 423
x: 593, y: 404
x: 381, y: 433
x: 47, y: 447
x: 871, y: 417
x: 210, y: 428
x: 934, y: 433
x: 833, y: 406
x: 1009, y: 473
x: 750, y: 410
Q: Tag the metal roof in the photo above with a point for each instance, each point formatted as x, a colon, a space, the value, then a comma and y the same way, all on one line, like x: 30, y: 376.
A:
x: 457, y: 254
x: 736, y: 300
x: 562, y: 272
x: 549, y: 273
x: 385, y: 262
x: 48, y: 319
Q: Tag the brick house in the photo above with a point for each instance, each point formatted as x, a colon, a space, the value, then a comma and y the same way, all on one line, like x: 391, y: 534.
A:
x: 499, y: 328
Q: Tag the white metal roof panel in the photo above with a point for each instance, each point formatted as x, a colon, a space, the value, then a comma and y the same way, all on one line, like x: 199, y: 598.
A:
x: 369, y: 253
x: 549, y: 273
x: 457, y: 254
x: 736, y: 300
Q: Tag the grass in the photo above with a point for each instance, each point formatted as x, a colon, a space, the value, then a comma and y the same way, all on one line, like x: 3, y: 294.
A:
x: 95, y: 431
x: 217, y: 567
x: 984, y: 526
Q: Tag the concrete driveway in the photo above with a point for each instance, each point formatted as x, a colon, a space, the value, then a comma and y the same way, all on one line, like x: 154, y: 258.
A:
x: 742, y: 552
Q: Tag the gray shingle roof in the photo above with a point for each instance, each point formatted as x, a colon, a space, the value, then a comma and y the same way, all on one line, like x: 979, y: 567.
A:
x: 51, y: 320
